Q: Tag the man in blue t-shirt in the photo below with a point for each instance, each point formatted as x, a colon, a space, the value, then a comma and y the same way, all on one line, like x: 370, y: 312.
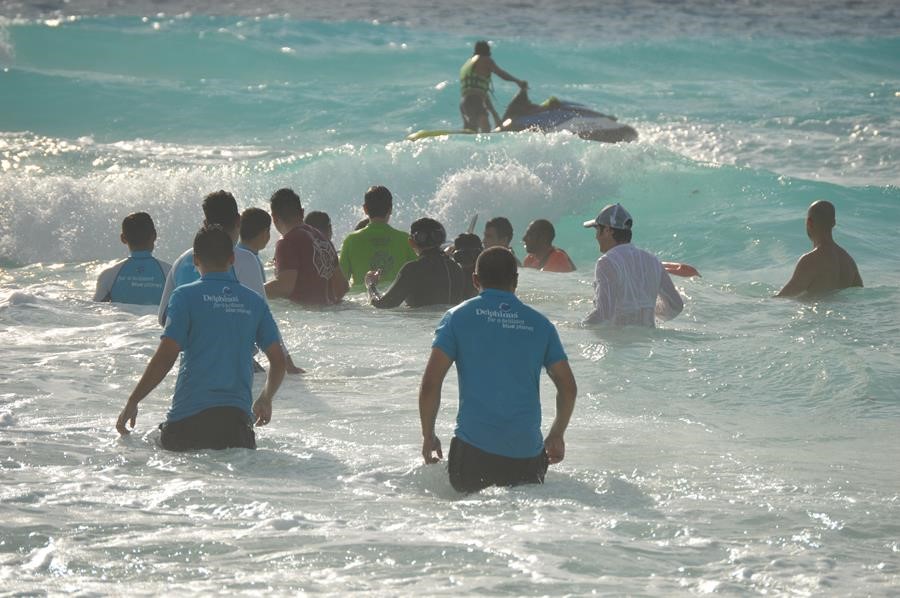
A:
x: 499, y: 345
x: 140, y: 278
x: 214, y: 323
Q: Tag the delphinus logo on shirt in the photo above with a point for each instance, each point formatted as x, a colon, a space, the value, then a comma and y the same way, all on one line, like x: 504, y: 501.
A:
x: 505, y: 317
x: 226, y: 300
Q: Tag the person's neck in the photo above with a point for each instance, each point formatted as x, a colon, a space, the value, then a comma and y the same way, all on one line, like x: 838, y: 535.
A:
x: 506, y: 290
x: 137, y: 249
x: 379, y: 220
x: 289, y: 226
x: 542, y: 254
x: 822, y: 240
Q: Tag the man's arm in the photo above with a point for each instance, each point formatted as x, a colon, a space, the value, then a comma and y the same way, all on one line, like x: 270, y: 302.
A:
x: 669, y: 302
x: 166, y: 294
x: 802, y: 278
x: 495, y: 68
x: 566, y: 390
x: 338, y: 283
x: 248, y: 272
x: 679, y: 269
x: 104, y: 284
x: 262, y: 407
x: 603, y: 306
x: 430, y: 401
x: 397, y: 292
x: 160, y: 364
x: 282, y: 285
x: 344, y: 259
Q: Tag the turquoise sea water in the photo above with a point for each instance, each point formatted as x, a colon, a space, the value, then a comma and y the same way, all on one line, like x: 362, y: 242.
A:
x: 746, y: 447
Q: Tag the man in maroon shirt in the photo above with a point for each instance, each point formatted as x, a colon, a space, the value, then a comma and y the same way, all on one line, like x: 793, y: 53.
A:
x: 306, y: 263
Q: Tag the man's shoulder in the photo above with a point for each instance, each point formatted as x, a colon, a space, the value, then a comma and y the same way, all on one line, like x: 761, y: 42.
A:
x: 112, y: 269
x: 245, y: 257
x: 187, y: 254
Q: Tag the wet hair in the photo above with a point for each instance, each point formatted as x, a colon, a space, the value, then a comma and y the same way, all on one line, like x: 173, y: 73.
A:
x: 138, y: 229
x: 496, y: 268
x: 545, y: 229
x: 467, y: 248
x: 361, y: 224
x: 285, y: 205
x: 213, y: 246
x: 253, y: 222
x: 502, y: 226
x: 220, y: 207
x: 482, y: 48
x: 427, y: 233
x: 621, y: 235
x: 821, y: 213
x: 320, y: 221
x: 378, y: 201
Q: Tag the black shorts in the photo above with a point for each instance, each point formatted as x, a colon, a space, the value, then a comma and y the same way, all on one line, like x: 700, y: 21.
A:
x: 473, y: 110
x: 472, y: 469
x: 214, y: 428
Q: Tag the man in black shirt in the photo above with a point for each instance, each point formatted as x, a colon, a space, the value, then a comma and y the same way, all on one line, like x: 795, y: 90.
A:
x: 432, y: 279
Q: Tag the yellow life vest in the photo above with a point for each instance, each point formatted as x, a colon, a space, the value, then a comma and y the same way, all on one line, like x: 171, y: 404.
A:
x: 469, y: 80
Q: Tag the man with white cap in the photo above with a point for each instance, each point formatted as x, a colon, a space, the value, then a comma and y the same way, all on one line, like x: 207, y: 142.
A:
x: 631, y: 286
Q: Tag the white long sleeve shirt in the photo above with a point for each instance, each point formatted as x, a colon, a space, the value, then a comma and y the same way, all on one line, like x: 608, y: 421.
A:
x: 246, y: 269
x: 631, y: 287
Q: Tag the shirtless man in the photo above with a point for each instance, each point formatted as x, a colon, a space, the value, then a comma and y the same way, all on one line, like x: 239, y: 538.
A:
x: 476, y: 87
x: 827, y: 267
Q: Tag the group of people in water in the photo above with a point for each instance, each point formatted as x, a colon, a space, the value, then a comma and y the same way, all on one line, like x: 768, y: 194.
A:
x: 213, y: 307
x: 214, y: 311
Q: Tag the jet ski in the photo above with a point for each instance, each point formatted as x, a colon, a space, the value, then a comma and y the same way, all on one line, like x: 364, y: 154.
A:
x: 557, y: 115
x: 549, y: 116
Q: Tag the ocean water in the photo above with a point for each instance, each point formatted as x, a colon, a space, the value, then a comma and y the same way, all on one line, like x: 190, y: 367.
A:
x: 747, y: 447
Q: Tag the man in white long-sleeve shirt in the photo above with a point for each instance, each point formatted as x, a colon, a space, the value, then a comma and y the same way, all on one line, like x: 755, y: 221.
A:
x: 631, y: 286
x: 219, y: 208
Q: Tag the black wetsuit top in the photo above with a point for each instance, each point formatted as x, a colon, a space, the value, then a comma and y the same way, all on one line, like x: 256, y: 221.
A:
x: 433, y: 279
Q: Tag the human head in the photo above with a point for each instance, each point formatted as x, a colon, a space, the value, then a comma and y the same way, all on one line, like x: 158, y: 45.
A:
x: 320, y: 221
x: 255, y: 225
x: 820, y: 218
x: 286, y: 210
x: 539, y: 236
x: 378, y: 202
x: 213, y: 249
x: 498, y: 232
x: 496, y: 269
x: 426, y: 233
x: 613, y: 226
x: 466, y: 249
x: 220, y: 207
x: 138, y: 232
x: 482, y: 48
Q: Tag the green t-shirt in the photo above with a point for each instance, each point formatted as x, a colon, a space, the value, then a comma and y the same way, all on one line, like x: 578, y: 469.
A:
x: 378, y: 246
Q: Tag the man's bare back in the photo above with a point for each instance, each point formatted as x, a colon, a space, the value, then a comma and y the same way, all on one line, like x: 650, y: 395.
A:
x: 828, y: 267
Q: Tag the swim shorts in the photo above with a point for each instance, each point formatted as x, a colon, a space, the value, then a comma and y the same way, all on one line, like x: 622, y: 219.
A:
x: 215, y: 428
x: 472, y: 469
x: 473, y: 110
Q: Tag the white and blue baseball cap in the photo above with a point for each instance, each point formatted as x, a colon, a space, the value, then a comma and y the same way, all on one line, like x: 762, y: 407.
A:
x: 613, y: 216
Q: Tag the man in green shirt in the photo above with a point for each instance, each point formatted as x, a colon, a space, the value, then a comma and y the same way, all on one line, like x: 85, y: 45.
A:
x: 378, y: 246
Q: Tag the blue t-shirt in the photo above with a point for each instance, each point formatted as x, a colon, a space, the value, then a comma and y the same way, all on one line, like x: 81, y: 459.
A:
x: 138, y: 280
x: 216, y: 321
x: 499, y: 345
